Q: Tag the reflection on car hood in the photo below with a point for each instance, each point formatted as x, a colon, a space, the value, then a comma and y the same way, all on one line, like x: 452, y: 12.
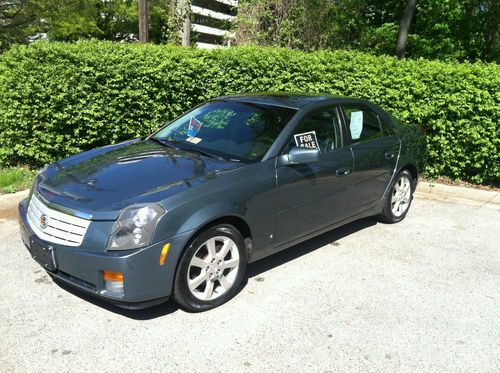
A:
x: 103, y: 181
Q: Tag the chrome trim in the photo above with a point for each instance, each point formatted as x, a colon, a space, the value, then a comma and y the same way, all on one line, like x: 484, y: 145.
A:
x: 54, y: 226
x: 63, y: 209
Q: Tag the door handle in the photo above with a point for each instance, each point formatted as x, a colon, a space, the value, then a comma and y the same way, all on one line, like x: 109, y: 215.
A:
x: 390, y: 155
x: 343, y: 171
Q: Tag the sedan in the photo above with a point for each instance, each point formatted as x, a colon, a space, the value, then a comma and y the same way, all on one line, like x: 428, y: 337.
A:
x: 179, y: 214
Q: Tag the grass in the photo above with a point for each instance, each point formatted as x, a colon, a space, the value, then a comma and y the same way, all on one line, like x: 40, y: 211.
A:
x: 13, y: 179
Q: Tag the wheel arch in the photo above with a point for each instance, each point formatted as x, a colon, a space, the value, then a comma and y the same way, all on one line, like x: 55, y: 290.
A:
x: 235, y: 220
x: 412, y: 169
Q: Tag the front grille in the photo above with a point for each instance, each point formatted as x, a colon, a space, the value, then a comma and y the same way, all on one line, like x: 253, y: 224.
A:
x: 60, y: 228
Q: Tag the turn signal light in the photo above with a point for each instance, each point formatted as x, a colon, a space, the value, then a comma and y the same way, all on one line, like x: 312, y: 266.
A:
x: 113, y: 282
x: 164, y: 252
x: 112, y: 276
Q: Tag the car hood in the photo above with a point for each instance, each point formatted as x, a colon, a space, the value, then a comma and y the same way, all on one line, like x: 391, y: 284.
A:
x: 101, y: 182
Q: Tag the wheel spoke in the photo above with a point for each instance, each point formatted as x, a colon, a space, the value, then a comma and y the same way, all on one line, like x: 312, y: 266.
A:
x: 211, y: 247
x: 224, y: 282
x: 224, y: 249
x: 197, y: 281
x: 198, y: 262
x: 394, y: 198
x: 209, y: 291
x: 231, y: 263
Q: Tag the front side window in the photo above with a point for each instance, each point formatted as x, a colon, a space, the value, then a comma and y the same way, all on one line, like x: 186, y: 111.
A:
x: 319, y: 130
x: 233, y: 130
x: 363, y: 124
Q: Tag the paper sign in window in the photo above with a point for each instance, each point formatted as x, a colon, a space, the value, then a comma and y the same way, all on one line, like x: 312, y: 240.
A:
x: 306, y: 140
x: 356, y: 124
x: 194, y: 127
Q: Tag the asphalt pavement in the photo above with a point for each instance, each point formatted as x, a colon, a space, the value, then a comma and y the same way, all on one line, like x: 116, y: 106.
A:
x: 421, y: 295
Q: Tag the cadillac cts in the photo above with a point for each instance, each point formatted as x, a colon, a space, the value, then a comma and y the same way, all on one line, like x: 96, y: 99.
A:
x: 181, y: 212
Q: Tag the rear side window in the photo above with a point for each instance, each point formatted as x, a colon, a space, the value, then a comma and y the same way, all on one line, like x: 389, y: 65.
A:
x: 363, y: 124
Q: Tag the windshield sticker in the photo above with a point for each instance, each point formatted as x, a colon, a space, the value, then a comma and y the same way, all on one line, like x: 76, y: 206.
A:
x: 194, y: 127
x: 306, y: 140
x: 194, y: 140
x: 356, y: 124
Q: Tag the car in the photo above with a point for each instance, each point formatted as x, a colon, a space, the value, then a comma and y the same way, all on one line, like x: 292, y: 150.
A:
x: 180, y: 213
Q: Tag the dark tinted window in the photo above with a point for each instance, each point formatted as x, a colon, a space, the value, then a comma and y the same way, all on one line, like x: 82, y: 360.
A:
x: 233, y: 130
x: 363, y: 124
x: 318, y: 130
x: 386, y: 128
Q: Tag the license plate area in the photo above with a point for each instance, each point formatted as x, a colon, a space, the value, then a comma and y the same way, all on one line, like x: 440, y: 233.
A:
x: 44, y: 254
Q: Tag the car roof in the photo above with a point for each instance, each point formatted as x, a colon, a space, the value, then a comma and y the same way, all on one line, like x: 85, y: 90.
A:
x: 290, y: 100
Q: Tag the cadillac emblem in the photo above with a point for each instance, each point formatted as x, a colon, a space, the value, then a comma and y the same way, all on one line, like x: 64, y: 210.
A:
x: 44, y: 221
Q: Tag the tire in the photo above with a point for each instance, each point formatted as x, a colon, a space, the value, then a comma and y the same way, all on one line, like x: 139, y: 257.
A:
x: 399, y: 198
x: 204, y: 281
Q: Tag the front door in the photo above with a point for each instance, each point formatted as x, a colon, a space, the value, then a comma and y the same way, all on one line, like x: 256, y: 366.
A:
x: 314, y: 195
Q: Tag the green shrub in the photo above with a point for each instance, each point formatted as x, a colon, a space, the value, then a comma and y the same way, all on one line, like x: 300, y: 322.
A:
x: 13, y: 179
x: 58, y: 99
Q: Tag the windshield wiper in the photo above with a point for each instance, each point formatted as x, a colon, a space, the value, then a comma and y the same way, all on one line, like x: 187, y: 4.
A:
x: 167, y: 144
x: 201, y: 152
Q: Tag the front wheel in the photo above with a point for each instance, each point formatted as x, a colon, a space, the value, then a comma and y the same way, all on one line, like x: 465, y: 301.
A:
x: 211, y: 269
x: 399, y: 198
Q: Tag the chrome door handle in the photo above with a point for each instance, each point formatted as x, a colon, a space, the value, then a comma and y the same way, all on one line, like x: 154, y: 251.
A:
x: 389, y: 155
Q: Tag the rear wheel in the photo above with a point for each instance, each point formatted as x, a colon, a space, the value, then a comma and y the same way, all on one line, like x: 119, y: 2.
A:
x: 211, y: 269
x: 399, y: 198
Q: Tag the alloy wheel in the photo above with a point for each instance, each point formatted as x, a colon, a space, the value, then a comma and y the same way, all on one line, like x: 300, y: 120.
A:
x: 213, y: 269
x: 401, y: 196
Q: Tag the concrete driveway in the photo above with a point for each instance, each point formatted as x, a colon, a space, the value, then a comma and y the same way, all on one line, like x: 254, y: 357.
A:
x: 421, y: 295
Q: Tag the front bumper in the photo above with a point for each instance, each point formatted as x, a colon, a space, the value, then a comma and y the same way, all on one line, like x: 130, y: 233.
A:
x: 145, y: 281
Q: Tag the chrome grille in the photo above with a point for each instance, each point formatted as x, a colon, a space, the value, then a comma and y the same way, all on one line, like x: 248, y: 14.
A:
x: 60, y: 228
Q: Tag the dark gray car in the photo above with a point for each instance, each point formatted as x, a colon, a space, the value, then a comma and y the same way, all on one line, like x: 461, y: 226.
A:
x: 181, y: 213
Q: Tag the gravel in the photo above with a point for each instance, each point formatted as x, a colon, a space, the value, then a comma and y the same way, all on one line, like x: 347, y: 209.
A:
x: 421, y: 295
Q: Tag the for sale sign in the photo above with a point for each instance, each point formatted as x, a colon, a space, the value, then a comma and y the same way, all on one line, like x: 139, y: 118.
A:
x: 194, y: 126
x: 306, y: 140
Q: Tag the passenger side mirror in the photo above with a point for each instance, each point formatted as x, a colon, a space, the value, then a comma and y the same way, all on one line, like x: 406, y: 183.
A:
x: 298, y: 155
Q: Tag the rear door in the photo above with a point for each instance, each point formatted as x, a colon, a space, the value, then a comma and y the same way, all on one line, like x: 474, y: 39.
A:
x: 375, y: 148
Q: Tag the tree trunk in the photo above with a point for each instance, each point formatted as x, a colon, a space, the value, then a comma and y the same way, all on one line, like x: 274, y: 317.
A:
x: 184, y: 12
x: 491, y: 50
x: 186, y: 32
x: 143, y: 21
x: 404, y: 28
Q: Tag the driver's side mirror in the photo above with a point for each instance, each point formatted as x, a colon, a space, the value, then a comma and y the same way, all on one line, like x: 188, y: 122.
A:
x: 298, y: 155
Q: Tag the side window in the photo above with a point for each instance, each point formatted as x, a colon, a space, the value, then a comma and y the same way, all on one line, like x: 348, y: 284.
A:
x: 386, y: 129
x: 318, y: 130
x: 363, y: 124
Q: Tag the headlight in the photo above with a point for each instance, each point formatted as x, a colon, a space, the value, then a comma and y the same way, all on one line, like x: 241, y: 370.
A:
x: 134, y: 227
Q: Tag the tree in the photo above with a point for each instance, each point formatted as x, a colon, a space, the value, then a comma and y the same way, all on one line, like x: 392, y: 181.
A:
x: 22, y: 21
x: 143, y: 21
x: 405, y: 28
x: 443, y: 29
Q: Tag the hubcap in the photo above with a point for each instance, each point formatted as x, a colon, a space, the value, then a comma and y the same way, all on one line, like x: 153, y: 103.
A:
x: 213, y: 268
x: 401, y: 196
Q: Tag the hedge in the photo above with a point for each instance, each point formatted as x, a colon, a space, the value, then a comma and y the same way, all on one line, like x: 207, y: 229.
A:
x: 58, y: 99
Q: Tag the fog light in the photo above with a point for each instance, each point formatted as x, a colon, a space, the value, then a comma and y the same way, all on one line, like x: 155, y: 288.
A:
x: 113, y: 282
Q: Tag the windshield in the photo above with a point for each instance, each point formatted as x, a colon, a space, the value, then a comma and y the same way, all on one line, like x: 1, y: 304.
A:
x: 232, y: 130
